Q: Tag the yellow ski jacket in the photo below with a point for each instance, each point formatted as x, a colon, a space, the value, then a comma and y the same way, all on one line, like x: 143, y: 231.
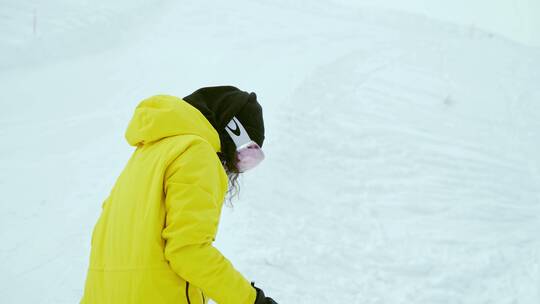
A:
x: 152, y: 243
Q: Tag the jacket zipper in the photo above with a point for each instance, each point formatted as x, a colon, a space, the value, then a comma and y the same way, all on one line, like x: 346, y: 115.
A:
x: 203, y: 299
x: 187, y: 292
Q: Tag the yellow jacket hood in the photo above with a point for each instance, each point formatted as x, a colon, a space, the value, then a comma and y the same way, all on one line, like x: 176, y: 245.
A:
x: 164, y: 115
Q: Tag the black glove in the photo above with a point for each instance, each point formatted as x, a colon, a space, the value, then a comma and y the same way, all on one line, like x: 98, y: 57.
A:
x: 261, y: 298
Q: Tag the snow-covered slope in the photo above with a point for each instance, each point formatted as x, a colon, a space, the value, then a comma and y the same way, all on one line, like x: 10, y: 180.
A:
x: 402, y: 154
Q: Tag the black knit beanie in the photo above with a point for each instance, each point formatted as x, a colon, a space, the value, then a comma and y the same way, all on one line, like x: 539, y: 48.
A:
x: 221, y: 103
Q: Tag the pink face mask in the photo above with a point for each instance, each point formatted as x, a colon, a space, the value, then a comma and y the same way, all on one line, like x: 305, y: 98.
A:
x: 248, y: 152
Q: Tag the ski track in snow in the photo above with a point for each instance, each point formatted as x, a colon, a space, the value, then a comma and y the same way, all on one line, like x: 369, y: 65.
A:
x: 402, y: 153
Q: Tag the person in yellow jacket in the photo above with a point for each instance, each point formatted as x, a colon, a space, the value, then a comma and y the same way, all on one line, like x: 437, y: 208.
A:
x: 152, y: 243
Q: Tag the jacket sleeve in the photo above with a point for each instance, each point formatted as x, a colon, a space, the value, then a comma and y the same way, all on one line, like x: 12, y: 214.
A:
x: 195, y: 185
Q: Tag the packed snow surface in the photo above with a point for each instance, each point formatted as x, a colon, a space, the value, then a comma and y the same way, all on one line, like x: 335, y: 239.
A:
x: 403, y: 153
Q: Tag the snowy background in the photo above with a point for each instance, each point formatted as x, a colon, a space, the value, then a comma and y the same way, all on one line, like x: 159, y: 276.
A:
x: 403, y: 153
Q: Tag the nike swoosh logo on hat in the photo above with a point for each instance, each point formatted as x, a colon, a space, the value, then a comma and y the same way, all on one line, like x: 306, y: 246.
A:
x: 236, y: 131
